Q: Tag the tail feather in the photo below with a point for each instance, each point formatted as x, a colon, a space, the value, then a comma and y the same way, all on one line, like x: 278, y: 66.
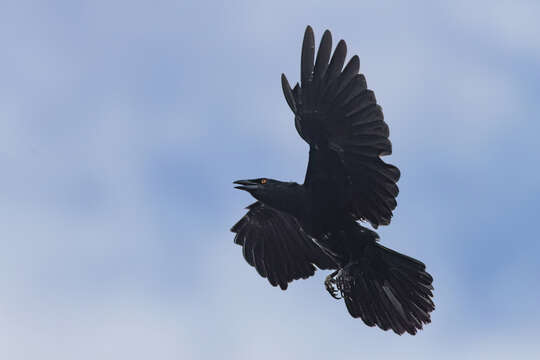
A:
x: 387, y: 289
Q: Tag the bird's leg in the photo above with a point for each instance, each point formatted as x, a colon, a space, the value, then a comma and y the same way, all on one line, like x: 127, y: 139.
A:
x: 329, y: 283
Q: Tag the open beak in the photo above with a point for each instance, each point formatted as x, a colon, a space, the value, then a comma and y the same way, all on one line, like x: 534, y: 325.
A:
x: 247, y: 185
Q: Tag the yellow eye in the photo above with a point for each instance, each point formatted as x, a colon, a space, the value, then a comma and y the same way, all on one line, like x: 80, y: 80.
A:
x: 263, y: 181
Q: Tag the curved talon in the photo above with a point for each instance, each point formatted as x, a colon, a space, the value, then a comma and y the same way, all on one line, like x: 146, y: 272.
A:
x: 329, y: 283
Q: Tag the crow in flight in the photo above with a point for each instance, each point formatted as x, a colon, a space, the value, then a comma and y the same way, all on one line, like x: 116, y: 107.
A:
x: 292, y: 228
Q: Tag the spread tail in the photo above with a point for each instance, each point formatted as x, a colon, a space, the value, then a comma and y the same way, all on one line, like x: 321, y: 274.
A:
x: 387, y: 289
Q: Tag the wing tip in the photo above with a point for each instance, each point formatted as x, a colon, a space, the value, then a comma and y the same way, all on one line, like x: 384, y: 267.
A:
x: 308, y: 54
x: 287, y: 92
x: 355, y: 59
x: 342, y: 44
x: 309, y: 30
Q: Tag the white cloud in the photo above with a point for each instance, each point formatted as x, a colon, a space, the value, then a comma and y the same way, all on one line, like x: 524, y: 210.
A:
x: 510, y: 25
x: 116, y: 328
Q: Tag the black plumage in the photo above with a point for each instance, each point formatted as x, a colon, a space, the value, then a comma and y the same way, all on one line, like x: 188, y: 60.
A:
x: 293, y: 229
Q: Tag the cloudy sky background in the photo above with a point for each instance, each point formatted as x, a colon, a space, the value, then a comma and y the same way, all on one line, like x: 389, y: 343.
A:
x: 123, y: 124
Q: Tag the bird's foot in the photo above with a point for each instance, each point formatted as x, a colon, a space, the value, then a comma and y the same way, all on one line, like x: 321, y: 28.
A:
x: 329, y: 283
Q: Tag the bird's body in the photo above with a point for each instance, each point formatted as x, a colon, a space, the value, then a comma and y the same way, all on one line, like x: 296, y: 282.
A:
x: 293, y: 227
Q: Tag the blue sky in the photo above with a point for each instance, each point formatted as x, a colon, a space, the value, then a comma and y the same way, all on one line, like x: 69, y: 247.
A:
x: 123, y: 124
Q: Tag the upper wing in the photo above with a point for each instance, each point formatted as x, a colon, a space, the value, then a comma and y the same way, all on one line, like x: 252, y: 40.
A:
x: 273, y: 243
x: 339, y: 117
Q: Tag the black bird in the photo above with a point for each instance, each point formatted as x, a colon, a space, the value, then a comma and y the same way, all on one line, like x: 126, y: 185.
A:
x: 293, y: 228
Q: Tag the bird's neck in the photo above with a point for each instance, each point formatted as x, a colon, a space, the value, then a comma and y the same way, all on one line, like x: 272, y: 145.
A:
x: 292, y: 201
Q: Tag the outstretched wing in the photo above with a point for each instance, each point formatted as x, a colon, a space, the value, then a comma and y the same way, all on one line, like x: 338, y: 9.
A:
x: 273, y: 243
x: 338, y: 116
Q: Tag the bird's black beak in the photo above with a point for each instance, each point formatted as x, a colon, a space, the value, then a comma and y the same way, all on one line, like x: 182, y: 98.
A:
x: 247, y: 185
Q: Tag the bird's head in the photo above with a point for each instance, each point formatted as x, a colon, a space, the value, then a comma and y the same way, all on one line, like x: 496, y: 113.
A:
x: 275, y: 193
